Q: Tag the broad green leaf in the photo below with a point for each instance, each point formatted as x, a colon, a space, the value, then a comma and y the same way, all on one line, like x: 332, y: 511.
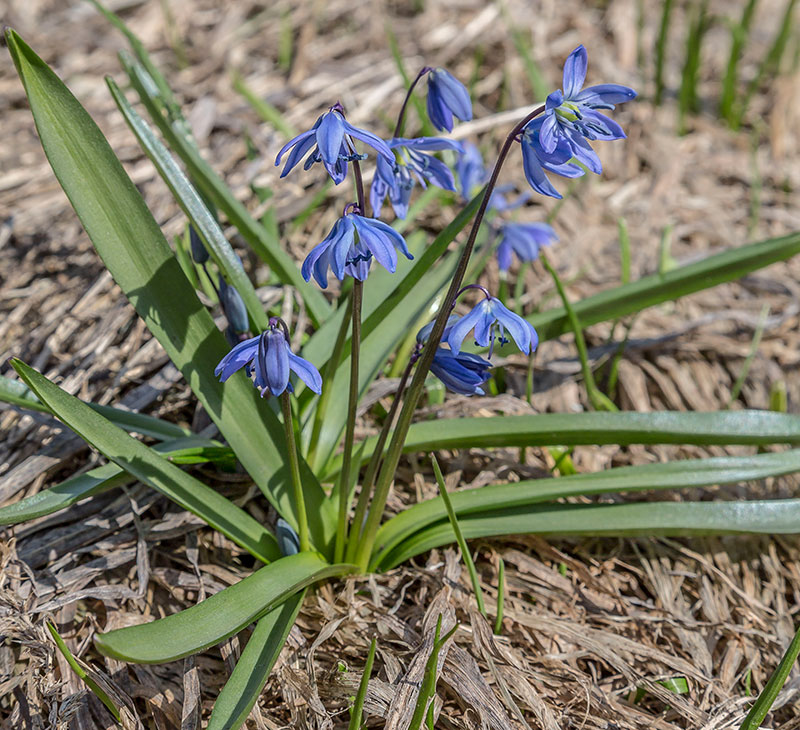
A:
x: 94, y: 481
x: 213, y: 187
x: 754, y: 428
x: 137, y: 255
x: 220, y: 616
x: 147, y: 466
x: 670, y: 475
x: 194, y: 208
x: 767, y: 517
x: 18, y: 394
x: 657, y: 288
x: 250, y: 674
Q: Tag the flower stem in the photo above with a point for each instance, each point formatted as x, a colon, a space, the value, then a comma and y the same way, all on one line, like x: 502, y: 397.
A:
x: 294, y: 469
x: 374, y: 463
x: 392, y: 458
x: 352, y: 405
x: 398, y: 129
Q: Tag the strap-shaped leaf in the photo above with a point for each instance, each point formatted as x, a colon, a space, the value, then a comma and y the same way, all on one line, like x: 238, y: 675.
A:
x: 250, y: 674
x: 672, y: 475
x: 220, y: 616
x: 94, y: 481
x: 764, y: 517
x: 147, y: 466
x: 193, y: 206
x: 753, y: 428
x: 137, y: 255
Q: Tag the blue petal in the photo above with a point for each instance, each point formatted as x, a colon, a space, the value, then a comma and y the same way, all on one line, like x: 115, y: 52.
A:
x: 377, y: 242
x: 548, y: 134
x: 575, y: 72
x: 237, y: 358
x: 534, y: 172
x: 453, y: 93
x: 441, y: 117
x: 595, y: 125
x: 462, y: 327
x: 463, y: 373
x: 275, y: 361
x: 342, y: 244
x: 434, y: 171
x: 300, y: 144
x: 428, y: 144
x: 604, y: 96
x: 554, y: 100
x: 306, y: 372
x: 504, y: 255
x: 372, y: 140
x: 519, y: 329
x: 484, y: 328
x: 359, y: 270
x: 583, y: 151
x: 330, y: 135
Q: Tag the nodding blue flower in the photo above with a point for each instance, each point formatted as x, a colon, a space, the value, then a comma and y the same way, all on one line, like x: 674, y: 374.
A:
x: 472, y: 175
x: 447, y: 97
x: 460, y: 372
x: 268, y: 358
x: 350, y: 246
x: 333, y: 147
x: 233, y: 307
x: 571, y: 113
x: 488, y: 315
x: 523, y: 239
x: 396, y: 180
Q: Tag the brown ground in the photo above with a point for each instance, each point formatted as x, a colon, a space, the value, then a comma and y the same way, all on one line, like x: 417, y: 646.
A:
x: 587, y: 622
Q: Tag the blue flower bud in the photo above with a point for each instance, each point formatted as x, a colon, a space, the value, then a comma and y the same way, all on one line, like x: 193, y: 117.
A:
x: 233, y: 306
x: 288, y: 540
x: 447, y: 97
x: 199, y: 252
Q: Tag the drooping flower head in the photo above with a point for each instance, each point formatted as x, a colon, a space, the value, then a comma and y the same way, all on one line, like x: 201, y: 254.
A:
x: 488, y: 317
x: 523, y: 239
x: 396, y: 180
x: 350, y: 247
x: 571, y: 113
x: 447, y: 97
x: 460, y: 372
x: 535, y: 161
x: 269, y: 360
x: 331, y: 139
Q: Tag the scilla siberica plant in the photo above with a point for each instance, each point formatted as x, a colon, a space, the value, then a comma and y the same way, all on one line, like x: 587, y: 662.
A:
x: 283, y: 408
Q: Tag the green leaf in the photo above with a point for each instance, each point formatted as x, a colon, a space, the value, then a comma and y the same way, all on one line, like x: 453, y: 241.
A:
x: 767, y: 517
x: 657, y: 288
x: 220, y: 616
x: 194, y: 208
x: 137, y: 255
x: 670, y: 475
x: 18, y: 394
x: 94, y: 481
x: 250, y: 674
x: 147, y: 466
x: 755, y: 428
x: 213, y: 187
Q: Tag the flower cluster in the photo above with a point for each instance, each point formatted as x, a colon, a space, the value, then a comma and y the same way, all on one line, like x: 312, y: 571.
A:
x: 557, y: 141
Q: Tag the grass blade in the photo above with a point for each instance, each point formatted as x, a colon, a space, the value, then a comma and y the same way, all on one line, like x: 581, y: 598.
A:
x: 670, y: 475
x: 250, y: 674
x: 358, y: 706
x: 775, y: 517
x: 770, y: 692
x: 137, y: 255
x: 220, y: 616
x: 195, y: 209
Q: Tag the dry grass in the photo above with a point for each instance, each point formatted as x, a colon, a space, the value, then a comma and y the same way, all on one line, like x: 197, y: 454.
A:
x: 588, y: 623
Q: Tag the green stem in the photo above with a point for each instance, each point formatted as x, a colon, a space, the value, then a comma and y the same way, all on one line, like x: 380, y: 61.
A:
x: 395, y: 449
x: 294, y: 469
x: 374, y: 463
x: 352, y: 405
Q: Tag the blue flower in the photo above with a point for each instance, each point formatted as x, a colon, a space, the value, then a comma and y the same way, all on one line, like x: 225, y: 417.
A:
x: 488, y: 315
x: 349, y: 248
x: 268, y: 357
x: 396, y: 180
x: 233, y: 307
x: 535, y: 160
x: 331, y: 139
x: 462, y: 372
x: 447, y: 97
x: 525, y: 240
x: 571, y: 114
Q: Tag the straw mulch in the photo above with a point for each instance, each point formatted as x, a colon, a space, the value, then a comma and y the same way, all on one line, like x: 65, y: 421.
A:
x: 594, y: 630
